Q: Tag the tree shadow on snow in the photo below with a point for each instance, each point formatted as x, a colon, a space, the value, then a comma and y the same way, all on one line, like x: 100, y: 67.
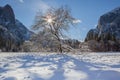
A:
x: 58, y: 67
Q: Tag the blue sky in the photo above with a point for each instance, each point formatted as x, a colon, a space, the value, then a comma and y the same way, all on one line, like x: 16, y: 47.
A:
x: 88, y: 11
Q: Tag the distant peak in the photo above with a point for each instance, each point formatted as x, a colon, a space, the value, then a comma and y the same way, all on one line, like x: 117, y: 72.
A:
x: 7, y: 13
x: 116, y: 10
x: 7, y: 6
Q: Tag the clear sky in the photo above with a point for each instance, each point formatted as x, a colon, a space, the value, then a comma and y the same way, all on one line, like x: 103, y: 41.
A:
x: 88, y: 11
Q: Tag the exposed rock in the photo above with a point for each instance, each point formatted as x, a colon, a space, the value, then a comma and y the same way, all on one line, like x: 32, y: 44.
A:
x: 108, y: 28
x: 7, y: 15
x: 92, y: 34
x: 12, y: 31
x: 108, y: 25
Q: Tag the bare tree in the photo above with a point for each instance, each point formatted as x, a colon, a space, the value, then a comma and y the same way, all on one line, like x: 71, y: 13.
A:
x: 55, y: 20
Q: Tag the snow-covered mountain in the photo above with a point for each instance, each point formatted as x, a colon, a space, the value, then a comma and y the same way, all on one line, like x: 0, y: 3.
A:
x: 12, y: 30
x: 108, y: 28
x: 108, y: 24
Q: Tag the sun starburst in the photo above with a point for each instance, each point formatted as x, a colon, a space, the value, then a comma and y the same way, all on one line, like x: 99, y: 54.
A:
x: 49, y: 20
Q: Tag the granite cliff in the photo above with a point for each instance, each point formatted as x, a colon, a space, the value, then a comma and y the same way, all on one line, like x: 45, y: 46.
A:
x: 107, y: 31
x: 12, y: 32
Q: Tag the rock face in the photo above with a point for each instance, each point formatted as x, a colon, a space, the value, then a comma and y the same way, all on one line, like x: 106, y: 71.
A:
x: 12, y: 31
x: 7, y: 15
x: 108, y: 28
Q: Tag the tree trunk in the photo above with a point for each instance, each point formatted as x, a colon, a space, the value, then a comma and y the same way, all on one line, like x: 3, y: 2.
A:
x: 60, y: 47
x: 57, y: 36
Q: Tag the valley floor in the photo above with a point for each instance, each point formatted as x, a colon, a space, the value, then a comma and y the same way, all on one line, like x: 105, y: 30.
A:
x: 52, y: 66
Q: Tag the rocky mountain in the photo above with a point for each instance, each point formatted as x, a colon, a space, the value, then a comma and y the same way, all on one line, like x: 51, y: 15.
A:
x: 12, y: 32
x: 107, y: 30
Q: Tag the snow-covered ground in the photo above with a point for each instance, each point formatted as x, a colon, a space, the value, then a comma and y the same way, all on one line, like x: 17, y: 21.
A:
x: 52, y: 66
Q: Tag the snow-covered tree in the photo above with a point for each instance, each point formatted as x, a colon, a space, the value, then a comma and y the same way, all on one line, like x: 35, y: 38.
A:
x: 55, y: 20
